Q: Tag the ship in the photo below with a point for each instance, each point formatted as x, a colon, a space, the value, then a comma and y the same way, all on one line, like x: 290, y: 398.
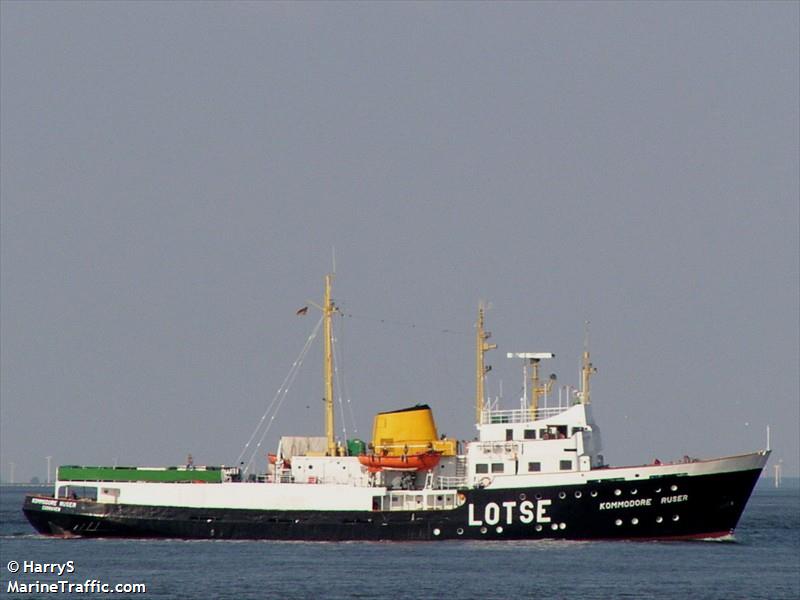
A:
x: 533, y: 472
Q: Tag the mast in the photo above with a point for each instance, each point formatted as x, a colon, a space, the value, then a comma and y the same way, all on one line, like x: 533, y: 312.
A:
x: 587, y: 370
x: 481, y: 347
x: 539, y: 389
x: 328, y: 309
x: 536, y: 389
x: 532, y: 359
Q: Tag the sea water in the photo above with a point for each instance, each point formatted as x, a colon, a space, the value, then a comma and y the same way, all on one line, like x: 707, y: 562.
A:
x: 762, y: 562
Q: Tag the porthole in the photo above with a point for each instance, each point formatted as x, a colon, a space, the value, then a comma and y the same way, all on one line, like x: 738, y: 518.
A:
x: 460, y: 531
x: 562, y: 525
x: 499, y: 529
x: 658, y: 490
x: 562, y: 495
x: 554, y: 526
x: 675, y: 518
x: 617, y: 492
x: 659, y: 519
x: 436, y: 531
x: 634, y: 521
x: 578, y: 494
x: 593, y: 494
x: 673, y: 487
x: 618, y: 522
x: 483, y: 530
x: 538, y: 528
x: 522, y: 496
x: 538, y: 496
x: 634, y: 492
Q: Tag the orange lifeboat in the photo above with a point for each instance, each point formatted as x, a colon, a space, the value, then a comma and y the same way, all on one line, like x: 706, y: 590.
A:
x: 423, y: 461
x: 273, y: 459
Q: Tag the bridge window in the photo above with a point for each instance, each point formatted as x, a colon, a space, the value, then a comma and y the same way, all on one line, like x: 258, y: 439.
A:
x: 509, y: 435
x: 481, y: 468
x: 80, y: 492
x: 530, y: 434
x: 497, y: 467
x: 534, y: 466
x: 114, y: 492
x: 565, y: 465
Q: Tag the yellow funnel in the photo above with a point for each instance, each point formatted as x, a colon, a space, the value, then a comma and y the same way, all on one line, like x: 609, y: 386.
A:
x: 408, y: 431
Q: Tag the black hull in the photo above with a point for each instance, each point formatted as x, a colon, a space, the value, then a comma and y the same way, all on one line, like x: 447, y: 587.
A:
x: 670, y: 507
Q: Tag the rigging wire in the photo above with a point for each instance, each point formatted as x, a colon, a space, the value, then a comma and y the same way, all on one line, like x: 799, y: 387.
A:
x: 293, y: 376
x: 421, y: 328
x: 340, y: 385
x: 407, y: 324
x: 279, y: 397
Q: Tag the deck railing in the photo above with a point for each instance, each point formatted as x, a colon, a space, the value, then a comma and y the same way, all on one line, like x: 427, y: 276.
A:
x: 450, y: 483
x: 519, y: 415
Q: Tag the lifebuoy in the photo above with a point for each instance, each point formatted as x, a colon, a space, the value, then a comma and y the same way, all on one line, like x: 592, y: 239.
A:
x: 484, y: 481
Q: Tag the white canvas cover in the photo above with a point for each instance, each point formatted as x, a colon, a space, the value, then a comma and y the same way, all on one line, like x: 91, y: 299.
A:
x: 292, y: 445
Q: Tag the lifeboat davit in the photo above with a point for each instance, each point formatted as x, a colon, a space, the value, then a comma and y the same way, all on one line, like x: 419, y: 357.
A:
x: 423, y: 461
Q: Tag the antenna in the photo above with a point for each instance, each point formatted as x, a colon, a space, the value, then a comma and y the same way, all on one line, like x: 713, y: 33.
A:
x: 586, y: 335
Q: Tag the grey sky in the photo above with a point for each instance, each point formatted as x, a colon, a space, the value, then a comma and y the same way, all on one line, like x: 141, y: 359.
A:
x: 175, y: 175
